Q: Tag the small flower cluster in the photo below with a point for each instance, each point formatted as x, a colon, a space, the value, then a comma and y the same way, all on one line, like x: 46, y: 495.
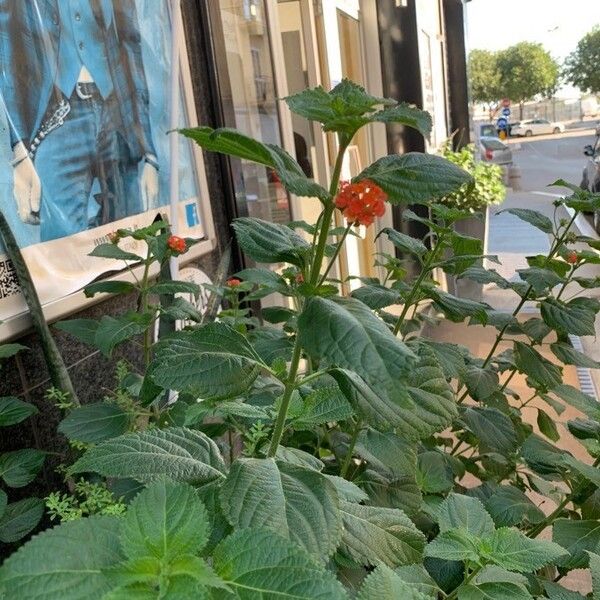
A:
x: 176, y: 244
x: 361, y: 202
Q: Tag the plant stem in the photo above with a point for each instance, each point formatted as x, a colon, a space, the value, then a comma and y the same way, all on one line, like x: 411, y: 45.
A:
x: 144, y: 307
x: 468, y: 580
x: 335, y: 254
x: 290, y: 386
x: 348, y: 457
x: 417, y: 284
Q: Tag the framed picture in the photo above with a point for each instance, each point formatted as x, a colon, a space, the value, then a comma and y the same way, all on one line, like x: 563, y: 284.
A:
x: 86, y: 94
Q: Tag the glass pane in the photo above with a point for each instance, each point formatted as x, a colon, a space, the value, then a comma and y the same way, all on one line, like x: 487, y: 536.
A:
x: 253, y: 96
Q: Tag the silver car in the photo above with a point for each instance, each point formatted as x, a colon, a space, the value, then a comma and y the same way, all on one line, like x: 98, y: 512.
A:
x: 492, y: 149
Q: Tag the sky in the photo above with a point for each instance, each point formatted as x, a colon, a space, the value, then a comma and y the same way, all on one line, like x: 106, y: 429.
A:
x: 557, y: 24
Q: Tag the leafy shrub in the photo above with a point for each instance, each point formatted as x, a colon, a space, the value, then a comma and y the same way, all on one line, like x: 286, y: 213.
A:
x: 488, y: 187
x: 321, y: 452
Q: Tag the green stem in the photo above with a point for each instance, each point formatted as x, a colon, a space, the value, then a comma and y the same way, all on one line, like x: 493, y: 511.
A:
x: 144, y: 307
x: 335, y: 254
x: 348, y: 457
x: 290, y: 386
x: 417, y: 284
x: 468, y: 580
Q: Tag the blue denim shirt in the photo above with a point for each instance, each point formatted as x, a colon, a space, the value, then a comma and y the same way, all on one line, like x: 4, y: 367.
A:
x: 82, y: 43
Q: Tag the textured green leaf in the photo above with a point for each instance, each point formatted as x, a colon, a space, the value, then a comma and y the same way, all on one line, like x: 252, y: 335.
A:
x: 298, y: 503
x: 577, y: 537
x: 108, y: 287
x: 481, y: 275
x: 112, y: 331
x: 95, y: 423
x: 271, y: 344
x: 541, y: 280
x: 544, y: 458
x: 458, y: 309
x: 450, y: 357
x: 82, y: 329
x: 509, y: 506
x: 421, y: 406
x: 177, y: 453
x: 323, y: 405
x: 165, y: 521
x: 8, y: 350
x: 377, y: 296
x: 298, y: 457
x: 258, y: 563
x: 494, y: 591
x: 492, y: 427
x: 346, y: 490
x: 374, y: 535
x: 512, y: 550
x: 414, y: 178
x: 481, y: 382
x: 590, y: 472
x: 595, y: 569
x: 20, y: 467
x: 568, y: 317
x: 419, y: 577
x: 391, y: 491
x: 453, y: 545
x: 267, y: 242
x: 464, y: 513
x: 64, y: 563
x: 577, y: 399
x: 533, y: 364
x: 568, y: 355
x: 19, y: 518
x: 554, y: 591
x: 174, y: 287
x: 388, y: 453
x: 214, y: 362
x: 385, y: 584
x: 405, y: 243
x: 13, y: 411
x: 113, y: 251
x: 533, y: 217
x: 179, y: 309
x: 547, y: 425
x: 434, y: 474
x: 408, y: 115
x: 3, y: 502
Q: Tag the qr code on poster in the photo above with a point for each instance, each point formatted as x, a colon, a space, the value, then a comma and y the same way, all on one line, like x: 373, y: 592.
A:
x: 9, y: 286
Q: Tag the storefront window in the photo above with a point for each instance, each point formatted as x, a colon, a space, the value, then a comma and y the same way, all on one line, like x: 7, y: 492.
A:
x: 253, y: 100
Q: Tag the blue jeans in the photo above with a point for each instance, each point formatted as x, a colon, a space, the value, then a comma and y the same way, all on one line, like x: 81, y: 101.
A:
x: 86, y: 153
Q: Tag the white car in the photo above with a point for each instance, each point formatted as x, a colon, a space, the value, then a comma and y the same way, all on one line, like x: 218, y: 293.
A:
x: 536, y: 127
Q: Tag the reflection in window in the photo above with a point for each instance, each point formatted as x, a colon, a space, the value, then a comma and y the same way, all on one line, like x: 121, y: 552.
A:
x: 250, y: 74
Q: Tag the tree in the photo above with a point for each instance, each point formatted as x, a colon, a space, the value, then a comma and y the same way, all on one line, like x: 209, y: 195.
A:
x: 526, y: 71
x: 484, y: 75
x: 582, y: 67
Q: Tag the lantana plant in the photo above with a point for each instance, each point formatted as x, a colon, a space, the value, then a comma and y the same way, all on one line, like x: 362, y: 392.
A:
x: 324, y: 448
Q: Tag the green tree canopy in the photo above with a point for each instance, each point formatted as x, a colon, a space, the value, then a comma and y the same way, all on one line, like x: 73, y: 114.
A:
x: 484, y: 75
x: 526, y: 71
x: 582, y: 67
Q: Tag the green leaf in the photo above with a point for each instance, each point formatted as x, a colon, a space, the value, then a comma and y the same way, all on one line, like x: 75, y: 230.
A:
x: 161, y: 288
x: 8, y: 350
x: 114, y: 252
x: 532, y: 363
x: 368, y: 348
x: 179, y: 309
x: 557, y: 592
x: 111, y: 331
x: 419, y: 577
x: 83, y: 329
x: 450, y: 357
x: 414, y: 178
x: 385, y: 584
x: 298, y: 503
x: 405, y: 243
x: 453, y: 545
x: 20, y: 467
x: 95, y: 423
x: 419, y: 407
x: 547, y: 425
x: 387, y: 452
x: 512, y: 550
x: 346, y: 490
x: 464, y: 513
x: 323, y: 405
x: 165, y: 521
x: 577, y: 537
x: 494, y: 591
x: 481, y: 275
x: 458, y: 309
x: 481, y: 382
x: 271, y: 344
x: 177, y: 453
x: 590, y: 472
x: 569, y: 317
x: 374, y: 535
x: 235, y: 143
x: 258, y: 563
x: 214, y: 362
x: 509, y: 506
x: 408, y: 115
x: 376, y: 296
x: 13, y: 411
x: 492, y: 427
x: 66, y: 562
x: 434, y: 474
x: 540, y: 279
x: 577, y: 399
x: 19, y: 518
x: 533, y: 217
x: 568, y: 355
x: 595, y: 569
x: 268, y: 242
x: 108, y: 287
x: 4, y: 501
x: 391, y: 492
x: 544, y: 458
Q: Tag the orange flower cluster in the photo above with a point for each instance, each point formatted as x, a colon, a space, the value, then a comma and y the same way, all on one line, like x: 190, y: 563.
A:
x: 361, y: 202
x: 177, y: 244
x: 234, y: 282
x: 572, y: 257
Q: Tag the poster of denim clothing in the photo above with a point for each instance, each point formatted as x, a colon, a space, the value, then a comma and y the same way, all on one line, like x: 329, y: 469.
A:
x: 85, y: 91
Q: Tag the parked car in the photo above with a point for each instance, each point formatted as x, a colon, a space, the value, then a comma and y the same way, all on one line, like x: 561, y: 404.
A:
x: 590, y: 179
x: 492, y: 149
x: 487, y: 130
x: 536, y: 127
